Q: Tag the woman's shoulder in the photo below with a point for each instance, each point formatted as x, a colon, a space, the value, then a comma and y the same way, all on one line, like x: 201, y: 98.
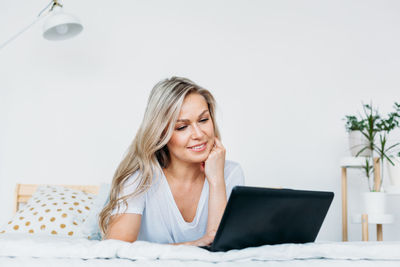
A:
x: 131, y: 183
x: 134, y: 181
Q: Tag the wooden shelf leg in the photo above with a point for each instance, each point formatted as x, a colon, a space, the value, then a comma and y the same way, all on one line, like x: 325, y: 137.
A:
x: 379, y: 232
x: 364, y: 223
x: 344, y: 204
x: 377, y: 175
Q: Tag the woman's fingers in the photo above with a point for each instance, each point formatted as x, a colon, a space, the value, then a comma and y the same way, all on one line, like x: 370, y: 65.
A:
x: 217, y: 151
x: 218, y: 143
x: 205, y: 240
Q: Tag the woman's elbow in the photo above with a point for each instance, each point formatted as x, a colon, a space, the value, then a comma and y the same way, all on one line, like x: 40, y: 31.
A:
x: 124, y: 227
x: 121, y: 237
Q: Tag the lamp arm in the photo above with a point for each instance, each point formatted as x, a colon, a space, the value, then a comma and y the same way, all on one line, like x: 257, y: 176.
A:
x: 39, y: 17
x: 19, y: 33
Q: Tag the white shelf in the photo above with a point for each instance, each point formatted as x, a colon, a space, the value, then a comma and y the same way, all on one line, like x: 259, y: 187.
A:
x: 374, y: 218
x: 352, y: 162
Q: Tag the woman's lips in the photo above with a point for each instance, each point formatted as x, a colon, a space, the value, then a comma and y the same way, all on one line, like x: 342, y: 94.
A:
x: 198, y: 148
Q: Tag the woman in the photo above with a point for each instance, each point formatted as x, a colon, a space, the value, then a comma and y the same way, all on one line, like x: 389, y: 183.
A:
x: 173, y: 184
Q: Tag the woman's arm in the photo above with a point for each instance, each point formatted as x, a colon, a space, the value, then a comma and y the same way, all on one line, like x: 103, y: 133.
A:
x: 216, y: 206
x: 214, y: 170
x: 124, y: 227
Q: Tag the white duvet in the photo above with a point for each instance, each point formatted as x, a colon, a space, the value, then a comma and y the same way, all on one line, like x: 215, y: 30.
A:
x: 15, y: 246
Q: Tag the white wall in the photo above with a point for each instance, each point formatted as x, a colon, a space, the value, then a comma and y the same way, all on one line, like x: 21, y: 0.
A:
x: 284, y: 74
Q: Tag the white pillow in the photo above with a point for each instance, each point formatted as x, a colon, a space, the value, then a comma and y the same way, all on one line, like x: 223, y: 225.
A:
x: 91, y: 228
x: 52, y: 210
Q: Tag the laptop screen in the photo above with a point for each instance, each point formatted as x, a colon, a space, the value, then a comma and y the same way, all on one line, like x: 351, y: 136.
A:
x: 256, y: 216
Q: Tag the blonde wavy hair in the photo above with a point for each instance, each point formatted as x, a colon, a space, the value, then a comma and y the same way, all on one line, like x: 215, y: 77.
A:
x: 148, y: 152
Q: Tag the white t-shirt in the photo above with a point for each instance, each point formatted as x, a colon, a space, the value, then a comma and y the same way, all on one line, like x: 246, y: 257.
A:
x: 162, y: 221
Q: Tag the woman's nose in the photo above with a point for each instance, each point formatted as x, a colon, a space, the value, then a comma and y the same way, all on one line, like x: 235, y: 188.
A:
x: 197, y: 132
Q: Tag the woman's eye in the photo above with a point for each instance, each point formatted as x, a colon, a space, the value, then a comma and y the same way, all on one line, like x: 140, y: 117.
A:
x: 203, y: 120
x: 181, y: 128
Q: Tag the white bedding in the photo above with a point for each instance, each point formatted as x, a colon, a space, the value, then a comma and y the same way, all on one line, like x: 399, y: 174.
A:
x: 18, y: 250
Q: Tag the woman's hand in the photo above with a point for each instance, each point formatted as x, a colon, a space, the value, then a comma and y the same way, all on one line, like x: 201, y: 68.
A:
x: 215, y: 163
x: 206, y: 240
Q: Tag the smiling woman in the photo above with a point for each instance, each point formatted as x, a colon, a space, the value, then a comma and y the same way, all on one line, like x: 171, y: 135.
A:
x: 173, y: 184
x: 194, y: 136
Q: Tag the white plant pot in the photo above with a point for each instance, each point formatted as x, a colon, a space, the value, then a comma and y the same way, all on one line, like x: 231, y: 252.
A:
x: 374, y: 202
x: 358, y: 141
x: 394, y: 171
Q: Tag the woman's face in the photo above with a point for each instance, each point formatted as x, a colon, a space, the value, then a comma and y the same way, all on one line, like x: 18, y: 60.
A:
x: 193, y: 136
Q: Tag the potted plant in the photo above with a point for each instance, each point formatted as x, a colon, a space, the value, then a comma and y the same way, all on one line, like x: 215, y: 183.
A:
x: 374, y: 201
x: 357, y: 140
x: 371, y: 125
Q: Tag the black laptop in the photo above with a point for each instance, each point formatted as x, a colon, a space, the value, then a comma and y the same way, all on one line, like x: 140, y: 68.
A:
x: 256, y: 216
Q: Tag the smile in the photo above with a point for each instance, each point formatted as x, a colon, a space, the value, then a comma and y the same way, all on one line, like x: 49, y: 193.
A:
x: 198, y: 147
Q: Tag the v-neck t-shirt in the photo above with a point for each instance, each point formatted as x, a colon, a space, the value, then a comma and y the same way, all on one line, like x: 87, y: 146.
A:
x: 161, y: 221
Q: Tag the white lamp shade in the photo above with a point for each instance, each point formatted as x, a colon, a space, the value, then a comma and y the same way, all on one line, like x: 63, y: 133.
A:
x: 61, y: 26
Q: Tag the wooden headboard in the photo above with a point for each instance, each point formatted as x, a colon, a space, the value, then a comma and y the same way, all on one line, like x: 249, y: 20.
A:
x: 23, y: 192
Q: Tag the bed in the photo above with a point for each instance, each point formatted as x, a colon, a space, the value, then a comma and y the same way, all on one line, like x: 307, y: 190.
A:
x: 19, y: 248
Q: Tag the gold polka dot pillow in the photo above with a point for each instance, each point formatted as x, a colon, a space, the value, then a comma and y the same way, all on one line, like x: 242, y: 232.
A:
x: 52, y: 210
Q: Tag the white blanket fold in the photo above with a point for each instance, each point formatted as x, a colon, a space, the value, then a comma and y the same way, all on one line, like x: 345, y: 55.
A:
x: 53, y: 247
